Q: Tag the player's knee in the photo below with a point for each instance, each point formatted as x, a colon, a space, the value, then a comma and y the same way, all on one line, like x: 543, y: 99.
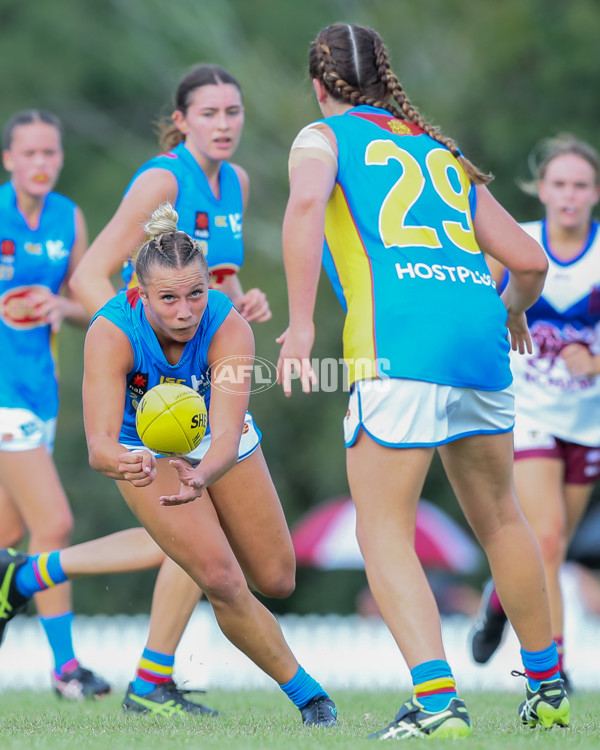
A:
x: 54, y: 534
x: 505, y: 516
x: 222, y: 584
x: 12, y: 536
x: 279, y: 585
x: 553, y: 545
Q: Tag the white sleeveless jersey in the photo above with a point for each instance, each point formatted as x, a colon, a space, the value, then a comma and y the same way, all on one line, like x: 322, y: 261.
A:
x: 568, y: 311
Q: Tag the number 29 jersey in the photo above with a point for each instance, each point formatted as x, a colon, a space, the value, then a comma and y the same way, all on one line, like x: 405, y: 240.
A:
x: 401, y: 254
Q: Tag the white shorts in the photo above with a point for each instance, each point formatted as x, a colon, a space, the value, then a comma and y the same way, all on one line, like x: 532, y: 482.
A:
x: 530, y: 436
x: 403, y: 413
x: 249, y: 442
x: 22, y: 430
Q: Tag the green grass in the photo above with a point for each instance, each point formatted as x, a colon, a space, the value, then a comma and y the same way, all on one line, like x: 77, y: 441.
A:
x: 265, y: 719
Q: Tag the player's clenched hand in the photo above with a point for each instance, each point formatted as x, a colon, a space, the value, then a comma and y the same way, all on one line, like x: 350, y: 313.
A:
x: 192, y: 481
x: 138, y: 467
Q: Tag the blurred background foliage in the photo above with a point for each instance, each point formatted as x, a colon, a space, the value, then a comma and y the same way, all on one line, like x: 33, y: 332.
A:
x: 497, y: 76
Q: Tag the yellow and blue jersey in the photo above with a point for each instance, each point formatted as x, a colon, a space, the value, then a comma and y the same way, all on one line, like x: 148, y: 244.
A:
x: 402, y: 256
x: 150, y: 366
x: 215, y: 223
x: 30, y: 259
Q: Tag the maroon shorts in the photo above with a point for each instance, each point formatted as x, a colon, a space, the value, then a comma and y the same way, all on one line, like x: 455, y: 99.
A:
x: 582, y: 463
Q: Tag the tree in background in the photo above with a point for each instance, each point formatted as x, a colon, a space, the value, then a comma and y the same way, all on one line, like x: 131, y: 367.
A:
x: 499, y: 75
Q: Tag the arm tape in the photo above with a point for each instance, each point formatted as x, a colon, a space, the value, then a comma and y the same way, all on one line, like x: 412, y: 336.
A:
x: 312, y: 143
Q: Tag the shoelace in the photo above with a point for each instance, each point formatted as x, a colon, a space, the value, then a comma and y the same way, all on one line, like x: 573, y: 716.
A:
x: 324, y: 710
x: 172, y: 688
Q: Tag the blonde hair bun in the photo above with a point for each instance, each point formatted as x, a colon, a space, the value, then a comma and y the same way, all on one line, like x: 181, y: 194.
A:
x: 163, y: 219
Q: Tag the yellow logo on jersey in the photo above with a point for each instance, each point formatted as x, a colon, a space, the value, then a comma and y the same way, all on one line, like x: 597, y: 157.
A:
x: 398, y: 127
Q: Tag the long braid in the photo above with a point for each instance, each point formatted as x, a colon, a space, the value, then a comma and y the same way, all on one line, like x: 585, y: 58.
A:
x: 376, y: 84
x: 341, y: 89
x: 412, y: 114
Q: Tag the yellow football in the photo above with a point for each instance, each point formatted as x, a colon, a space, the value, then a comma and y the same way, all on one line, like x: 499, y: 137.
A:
x: 171, y: 419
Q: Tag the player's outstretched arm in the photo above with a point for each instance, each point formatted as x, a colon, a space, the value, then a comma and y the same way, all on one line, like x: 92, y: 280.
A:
x: 311, y: 184
x: 231, y: 358
x: 108, y: 358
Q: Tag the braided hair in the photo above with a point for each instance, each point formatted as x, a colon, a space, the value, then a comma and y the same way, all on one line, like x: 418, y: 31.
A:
x: 352, y: 63
x: 166, y: 246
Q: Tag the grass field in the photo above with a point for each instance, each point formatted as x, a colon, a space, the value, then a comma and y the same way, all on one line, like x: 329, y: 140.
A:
x: 265, y: 719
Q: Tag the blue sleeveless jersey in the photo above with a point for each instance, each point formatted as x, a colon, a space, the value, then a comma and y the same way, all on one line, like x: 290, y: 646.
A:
x: 126, y: 311
x: 216, y: 224
x: 401, y: 253
x: 30, y: 259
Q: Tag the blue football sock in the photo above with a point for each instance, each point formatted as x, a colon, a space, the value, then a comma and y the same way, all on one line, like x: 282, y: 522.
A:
x: 540, y: 666
x: 39, y: 573
x: 59, y: 633
x: 154, y: 669
x: 434, y: 685
x: 302, y: 688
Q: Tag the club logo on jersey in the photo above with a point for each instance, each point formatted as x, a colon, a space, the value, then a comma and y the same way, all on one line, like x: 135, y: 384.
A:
x: 33, y: 248
x: 398, y: 127
x: 549, y: 341
x: 201, y: 226
x: 391, y: 124
x: 7, y: 250
x: 18, y: 311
